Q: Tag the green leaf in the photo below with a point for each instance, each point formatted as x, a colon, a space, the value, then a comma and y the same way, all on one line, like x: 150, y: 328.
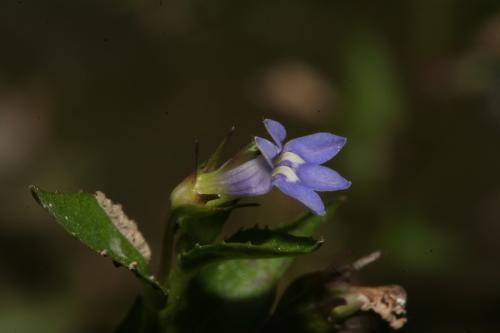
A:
x: 243, y: 278
x: 247, y: 244
x: 242, y: 291
x: 224, y: 278
x: 82, y: 216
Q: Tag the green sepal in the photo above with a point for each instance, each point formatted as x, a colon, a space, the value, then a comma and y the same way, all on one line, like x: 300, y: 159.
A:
x: 80, y: 215
x: 249, y: 244
x: 213, y: 162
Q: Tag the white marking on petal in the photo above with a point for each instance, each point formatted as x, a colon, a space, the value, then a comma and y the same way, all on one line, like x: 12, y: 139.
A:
x: 295, y: 159
x: 288, y: 172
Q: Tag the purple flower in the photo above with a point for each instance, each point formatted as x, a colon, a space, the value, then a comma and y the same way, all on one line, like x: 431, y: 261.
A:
x: 296, y: 165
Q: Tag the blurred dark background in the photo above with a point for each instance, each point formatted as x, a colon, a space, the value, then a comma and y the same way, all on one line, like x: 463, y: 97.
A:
x: 110, y: 95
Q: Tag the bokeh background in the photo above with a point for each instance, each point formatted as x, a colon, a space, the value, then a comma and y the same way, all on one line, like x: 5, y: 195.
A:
x: 111, y: 95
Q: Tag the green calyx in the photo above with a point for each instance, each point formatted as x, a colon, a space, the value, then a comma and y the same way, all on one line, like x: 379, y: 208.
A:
x: 205, y: 187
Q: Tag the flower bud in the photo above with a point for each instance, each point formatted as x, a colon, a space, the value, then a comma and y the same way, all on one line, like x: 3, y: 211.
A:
x: 203, y: 201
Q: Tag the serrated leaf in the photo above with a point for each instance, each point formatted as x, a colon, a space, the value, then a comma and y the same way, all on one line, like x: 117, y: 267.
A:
x: 81, y: 215
x: 248, y: 244
x: 263, y: 274
x: 242, y: 291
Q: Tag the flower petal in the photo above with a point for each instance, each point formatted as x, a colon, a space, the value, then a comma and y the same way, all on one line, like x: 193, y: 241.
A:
x: 300, y: 192
x: 251, y: 178
x: 320, y: 178
x: 316, y: 148
x: 268, y: 149
x: 276, y: 131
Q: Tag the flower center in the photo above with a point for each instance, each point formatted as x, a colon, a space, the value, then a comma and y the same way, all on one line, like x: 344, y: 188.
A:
x: 286, y: 171
x: 293, y: 158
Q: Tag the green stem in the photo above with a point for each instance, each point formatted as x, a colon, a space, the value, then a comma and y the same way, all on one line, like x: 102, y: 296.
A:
x: 168, y: 249
x: 177, y: 282
x: 187, y: 225
x: 172, y: 276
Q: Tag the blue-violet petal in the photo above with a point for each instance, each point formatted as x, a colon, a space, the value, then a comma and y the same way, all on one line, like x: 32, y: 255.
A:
x: 276, y: 131
x: 300, y: 192
x: 316, y: 148
x: 249, y: 179
x: 268, y: 149
x: 321, y: 178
